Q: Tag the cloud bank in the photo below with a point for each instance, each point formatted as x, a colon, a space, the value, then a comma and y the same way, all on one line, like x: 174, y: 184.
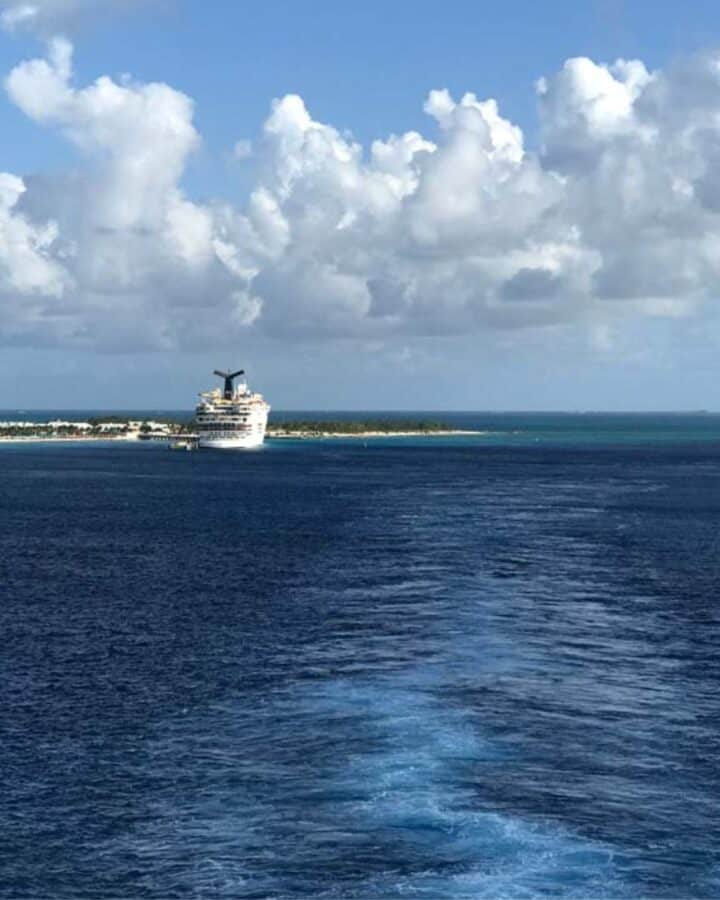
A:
x: 617, y: 214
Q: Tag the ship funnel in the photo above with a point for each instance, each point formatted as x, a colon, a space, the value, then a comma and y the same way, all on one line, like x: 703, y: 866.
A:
x: 228, y: 376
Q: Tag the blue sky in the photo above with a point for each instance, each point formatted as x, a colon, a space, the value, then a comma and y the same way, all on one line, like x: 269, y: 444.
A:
x: 364, y: 67
x: 364, y: 72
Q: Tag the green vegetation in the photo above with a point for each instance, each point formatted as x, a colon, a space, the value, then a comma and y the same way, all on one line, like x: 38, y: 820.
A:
x: 344, y: 426
x: 114, y: 420
x: 39, y: 431
x: 109, y: 426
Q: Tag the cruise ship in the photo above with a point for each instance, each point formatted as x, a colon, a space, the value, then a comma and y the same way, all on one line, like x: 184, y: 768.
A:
x: 232, y: 418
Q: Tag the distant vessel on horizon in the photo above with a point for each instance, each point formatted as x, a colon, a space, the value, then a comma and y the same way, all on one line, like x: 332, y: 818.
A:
x: 233, y: 418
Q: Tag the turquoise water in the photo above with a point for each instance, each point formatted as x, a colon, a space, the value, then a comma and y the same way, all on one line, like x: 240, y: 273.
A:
x: 500, y: 428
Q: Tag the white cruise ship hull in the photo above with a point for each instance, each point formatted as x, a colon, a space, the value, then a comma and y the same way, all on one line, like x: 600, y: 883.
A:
x: 231, y: 443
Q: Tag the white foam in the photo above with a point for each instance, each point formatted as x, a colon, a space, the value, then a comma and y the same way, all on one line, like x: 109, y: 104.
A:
x: 411, y: 789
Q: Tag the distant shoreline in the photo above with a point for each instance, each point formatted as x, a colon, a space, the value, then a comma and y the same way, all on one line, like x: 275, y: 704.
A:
x: 270, y: 435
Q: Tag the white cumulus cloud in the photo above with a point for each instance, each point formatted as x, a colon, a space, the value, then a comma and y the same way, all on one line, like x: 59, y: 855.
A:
x: 25, y: 261
x: 457, y: 231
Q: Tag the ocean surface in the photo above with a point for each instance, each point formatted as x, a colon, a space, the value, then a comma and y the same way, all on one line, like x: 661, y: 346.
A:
x: 475, y: 667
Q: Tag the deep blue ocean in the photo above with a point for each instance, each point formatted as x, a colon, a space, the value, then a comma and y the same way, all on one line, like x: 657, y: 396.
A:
x: 477, y: 667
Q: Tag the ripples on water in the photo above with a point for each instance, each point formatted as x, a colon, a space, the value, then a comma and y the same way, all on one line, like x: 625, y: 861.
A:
x: 405, y: 670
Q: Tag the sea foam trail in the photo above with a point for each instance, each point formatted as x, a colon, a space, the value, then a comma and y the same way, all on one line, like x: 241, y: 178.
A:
x: 359, y: 787
x: 361, y: 772
x: 368, y: 784
x: 413, y: 790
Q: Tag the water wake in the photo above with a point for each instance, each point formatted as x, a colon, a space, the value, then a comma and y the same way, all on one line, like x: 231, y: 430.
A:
x: 412, y: 788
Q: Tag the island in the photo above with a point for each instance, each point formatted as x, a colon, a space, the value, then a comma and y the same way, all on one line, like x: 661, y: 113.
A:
x: 105, y: 428
x: 369, y: 428
x: 171, y: 430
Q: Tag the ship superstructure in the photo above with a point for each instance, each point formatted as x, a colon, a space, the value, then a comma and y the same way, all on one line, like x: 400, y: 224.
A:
x: 233, y: 418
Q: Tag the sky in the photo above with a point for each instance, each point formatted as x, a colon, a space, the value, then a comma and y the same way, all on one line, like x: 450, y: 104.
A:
x: 403, y: 205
